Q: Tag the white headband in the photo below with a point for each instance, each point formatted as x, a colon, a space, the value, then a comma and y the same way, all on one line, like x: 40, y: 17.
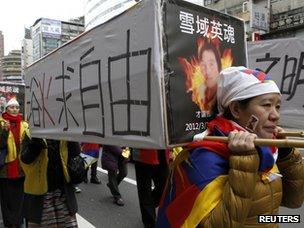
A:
x: 240, y: 83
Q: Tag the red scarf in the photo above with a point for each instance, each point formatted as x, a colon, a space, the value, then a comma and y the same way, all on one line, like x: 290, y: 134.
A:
x: 15, y: 124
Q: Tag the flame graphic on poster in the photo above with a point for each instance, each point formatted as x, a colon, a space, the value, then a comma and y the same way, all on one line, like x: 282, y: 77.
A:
x: 194, y: 73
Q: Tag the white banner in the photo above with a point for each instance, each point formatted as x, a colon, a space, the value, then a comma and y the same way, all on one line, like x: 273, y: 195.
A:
x: 104, y: 86
x: 107, y: 86
x: 283, y: 59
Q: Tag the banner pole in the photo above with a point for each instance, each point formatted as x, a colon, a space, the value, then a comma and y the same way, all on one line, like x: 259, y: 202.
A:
x: 263, y: 142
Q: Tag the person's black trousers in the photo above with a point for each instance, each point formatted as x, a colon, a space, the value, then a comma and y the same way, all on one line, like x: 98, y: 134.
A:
x: 149, y: 199
x: 115, y: 178
x: 94, y: 169
x: 12, y: 196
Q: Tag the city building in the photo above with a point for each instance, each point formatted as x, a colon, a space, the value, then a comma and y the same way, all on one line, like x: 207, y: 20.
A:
x: 27, y: 50
x: 255, y: 13
x: 1, y: 53
x: 265, y: 19
x: 48, y: 34
x: 99, y: 11
x: 286, y: 19
x: 11, y: 65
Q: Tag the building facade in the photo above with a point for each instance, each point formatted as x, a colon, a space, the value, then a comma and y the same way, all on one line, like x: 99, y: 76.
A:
x: 265, y: 19
x: 48, y: 34
x: 26, y: 50
x: 11, y: 65
x: 1, y: 53
x: 255, y: 13
x: 99, y: 11
x: 286, y: 19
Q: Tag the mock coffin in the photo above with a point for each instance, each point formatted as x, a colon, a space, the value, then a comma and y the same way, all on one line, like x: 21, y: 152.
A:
x: 143, y: 79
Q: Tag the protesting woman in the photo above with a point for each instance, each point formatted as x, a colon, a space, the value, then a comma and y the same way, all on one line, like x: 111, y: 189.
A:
x: 228, y: 185
x: 49, y: 199
x: 12, y: 131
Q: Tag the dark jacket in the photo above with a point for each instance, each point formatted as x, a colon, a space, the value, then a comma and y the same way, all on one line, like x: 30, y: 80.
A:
x: 31, y: 149
x: 111, y: 155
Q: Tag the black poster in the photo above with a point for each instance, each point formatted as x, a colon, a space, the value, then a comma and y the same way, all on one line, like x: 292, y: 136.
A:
x: 11, y: 90
x: 199, y: 43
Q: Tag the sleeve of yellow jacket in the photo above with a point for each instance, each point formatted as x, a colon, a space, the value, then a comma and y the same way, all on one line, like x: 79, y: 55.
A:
x: 292, y: 170
x: 236, y: 201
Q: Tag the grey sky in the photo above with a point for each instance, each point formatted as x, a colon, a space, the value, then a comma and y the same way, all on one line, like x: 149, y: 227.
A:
x: 17, y: 14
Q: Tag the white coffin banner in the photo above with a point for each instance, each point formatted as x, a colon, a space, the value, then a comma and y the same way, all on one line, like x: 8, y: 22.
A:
x: 107, y: 85
x: 98, y: 88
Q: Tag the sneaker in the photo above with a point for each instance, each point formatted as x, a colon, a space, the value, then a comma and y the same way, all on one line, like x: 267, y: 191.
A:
x: 77, y: 189
x: 119, y: 202
x: 95, y: 180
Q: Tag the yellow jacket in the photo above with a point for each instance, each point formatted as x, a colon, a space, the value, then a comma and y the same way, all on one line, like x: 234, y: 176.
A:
x: 36, y: 173
x: 12, y: 153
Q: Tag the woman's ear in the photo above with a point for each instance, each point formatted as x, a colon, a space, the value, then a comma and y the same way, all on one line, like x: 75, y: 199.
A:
x: 234, y: 107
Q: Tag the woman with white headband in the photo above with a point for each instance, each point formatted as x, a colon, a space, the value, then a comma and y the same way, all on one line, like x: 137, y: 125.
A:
x: 12, y: 131
x: 213, y: 184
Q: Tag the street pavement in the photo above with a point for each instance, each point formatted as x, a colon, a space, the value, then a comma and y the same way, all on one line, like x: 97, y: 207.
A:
x: 102, y: 213
x: 96, y: 203
x: 96, y: 208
